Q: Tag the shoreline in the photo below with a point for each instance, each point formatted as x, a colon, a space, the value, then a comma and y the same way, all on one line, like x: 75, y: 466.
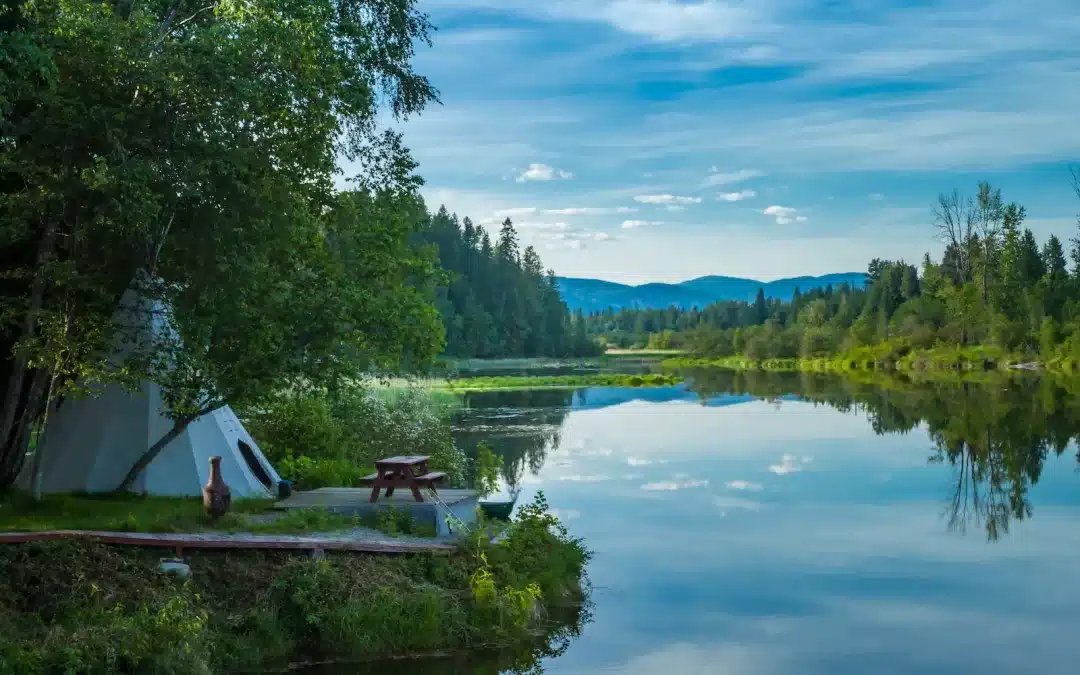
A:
x: 68, y: 602
x: 951, y: 361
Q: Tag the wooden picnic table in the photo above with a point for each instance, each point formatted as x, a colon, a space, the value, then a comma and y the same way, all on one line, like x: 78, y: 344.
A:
x: 409, y: 471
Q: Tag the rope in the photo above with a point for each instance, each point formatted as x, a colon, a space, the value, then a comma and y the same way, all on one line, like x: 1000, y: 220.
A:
x: 447, y: 512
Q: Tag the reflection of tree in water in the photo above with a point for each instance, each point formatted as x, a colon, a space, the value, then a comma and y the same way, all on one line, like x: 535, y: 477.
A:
x: 995, y: 434
x: 563, y: 626
x: 521, y: 426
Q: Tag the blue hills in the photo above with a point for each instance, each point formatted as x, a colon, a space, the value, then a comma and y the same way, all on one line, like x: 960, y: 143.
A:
x: 591, y: 295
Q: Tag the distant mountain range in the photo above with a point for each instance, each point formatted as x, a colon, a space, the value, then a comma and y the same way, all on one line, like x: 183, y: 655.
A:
x: 593, y: 294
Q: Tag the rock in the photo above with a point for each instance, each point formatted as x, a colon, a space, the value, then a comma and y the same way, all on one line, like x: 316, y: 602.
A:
x: 176, y: 567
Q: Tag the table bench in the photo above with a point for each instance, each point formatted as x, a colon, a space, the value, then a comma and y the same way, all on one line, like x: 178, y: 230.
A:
x: 404, y: 471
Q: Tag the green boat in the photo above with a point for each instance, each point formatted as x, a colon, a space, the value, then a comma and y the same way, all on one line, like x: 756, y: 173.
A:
x: 500, y: 509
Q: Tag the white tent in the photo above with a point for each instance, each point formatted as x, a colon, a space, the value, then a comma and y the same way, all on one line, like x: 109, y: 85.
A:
x: 90, y: 443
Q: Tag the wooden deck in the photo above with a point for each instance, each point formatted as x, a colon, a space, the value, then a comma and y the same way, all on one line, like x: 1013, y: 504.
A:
x: 332, y: 498
x: 365, y: 542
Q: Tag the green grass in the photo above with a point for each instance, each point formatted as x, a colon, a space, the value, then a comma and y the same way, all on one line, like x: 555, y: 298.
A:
x: 943, y: 358
x: 19, y: 513
x: 561, y: 381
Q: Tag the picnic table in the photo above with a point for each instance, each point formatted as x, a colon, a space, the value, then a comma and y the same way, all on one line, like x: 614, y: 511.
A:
x: 409, y: 471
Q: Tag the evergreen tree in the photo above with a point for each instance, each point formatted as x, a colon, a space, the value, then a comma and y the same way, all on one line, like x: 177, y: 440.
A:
x: 497, y: 301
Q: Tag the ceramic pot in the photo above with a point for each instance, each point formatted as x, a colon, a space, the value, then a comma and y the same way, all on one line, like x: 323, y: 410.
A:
x: 216, y: 495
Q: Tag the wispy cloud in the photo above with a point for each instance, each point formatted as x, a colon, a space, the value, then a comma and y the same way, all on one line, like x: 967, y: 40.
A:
x: 716, y: 177
x: 543, y: 172
x: 667, y: 199
x: 737, y: 196
x: 630, y: 224
x: 590, y: 210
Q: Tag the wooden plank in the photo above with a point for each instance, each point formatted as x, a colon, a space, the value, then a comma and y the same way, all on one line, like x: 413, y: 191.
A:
x: 181, y: 541
x: 403, y: 460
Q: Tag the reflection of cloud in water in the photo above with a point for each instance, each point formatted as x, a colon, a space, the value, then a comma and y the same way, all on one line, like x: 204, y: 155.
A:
x: 674, y: 485
x: 788, y: 464
x: 744, y: 485
x: 577, y: 478
x: 735, y: 503
x: 566, y: 514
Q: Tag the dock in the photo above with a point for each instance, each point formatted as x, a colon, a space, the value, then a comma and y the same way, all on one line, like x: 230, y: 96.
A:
x: 365, y: 541
x: 354, y: 501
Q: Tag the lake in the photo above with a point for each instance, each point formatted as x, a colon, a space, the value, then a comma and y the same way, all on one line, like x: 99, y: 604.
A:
x: 757, y: 524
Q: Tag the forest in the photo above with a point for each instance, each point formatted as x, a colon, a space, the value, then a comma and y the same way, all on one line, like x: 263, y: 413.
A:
x: 498, y: 301
x: 995, y: 286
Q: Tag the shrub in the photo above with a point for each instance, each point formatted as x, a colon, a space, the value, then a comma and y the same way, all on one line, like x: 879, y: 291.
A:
x: 320, y: 439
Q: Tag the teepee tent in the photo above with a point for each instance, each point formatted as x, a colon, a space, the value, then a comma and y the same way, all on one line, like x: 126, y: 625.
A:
x: 90, y: 443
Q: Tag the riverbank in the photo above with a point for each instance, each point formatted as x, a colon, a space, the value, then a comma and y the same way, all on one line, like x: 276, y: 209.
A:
x: 944, y: 359
x: 560, y: 381
x: 86, y: 607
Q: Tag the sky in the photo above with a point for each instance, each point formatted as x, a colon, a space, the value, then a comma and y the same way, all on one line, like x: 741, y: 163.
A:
x: 661, y: 140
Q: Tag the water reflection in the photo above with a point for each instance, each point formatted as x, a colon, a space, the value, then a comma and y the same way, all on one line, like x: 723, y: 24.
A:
x: 564, y: 626
x: 783, y: 524
x: 996, y: 434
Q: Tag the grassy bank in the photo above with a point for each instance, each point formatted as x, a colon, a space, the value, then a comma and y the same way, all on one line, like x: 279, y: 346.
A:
x: 886, y: 357
x: 561, y: 381
x: 130, y: 513
x: 78, y: 607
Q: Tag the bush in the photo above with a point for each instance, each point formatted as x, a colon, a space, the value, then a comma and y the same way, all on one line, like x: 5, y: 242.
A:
x: 320, y: 439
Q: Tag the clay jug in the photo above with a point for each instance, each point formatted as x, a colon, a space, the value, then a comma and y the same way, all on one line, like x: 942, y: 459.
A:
x: 216, y: 495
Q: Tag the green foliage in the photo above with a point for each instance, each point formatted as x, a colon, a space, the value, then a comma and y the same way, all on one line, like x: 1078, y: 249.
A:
x: 318, y: 438
x: 488, y: 467
x: 88, y: 608
x: 197, y: 151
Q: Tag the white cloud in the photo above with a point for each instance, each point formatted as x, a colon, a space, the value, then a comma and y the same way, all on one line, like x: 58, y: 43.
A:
x: 744, y: 485
x: 876, y: 196
x: 789, y: 464
x: 590, y: 211
x: 542, y: 226
x: 737, y: 196
x: 543, y: 172
x: 666, y: 199
x: 726, y: 178
x: 668, y: 485
x: 784, y: 215
x: 634, y: 461
x: 630, y: 224
x: 512, y: 212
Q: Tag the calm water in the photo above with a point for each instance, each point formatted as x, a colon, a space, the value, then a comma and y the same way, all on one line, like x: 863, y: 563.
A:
x: 776, y: 525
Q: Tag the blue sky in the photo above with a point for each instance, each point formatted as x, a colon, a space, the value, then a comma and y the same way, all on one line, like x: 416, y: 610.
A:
x: 659, y: 140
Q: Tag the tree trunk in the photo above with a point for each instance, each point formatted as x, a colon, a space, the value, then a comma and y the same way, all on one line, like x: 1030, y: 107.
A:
x: 14, y: 394
x: 151, y: 454
x: 35, y: 462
